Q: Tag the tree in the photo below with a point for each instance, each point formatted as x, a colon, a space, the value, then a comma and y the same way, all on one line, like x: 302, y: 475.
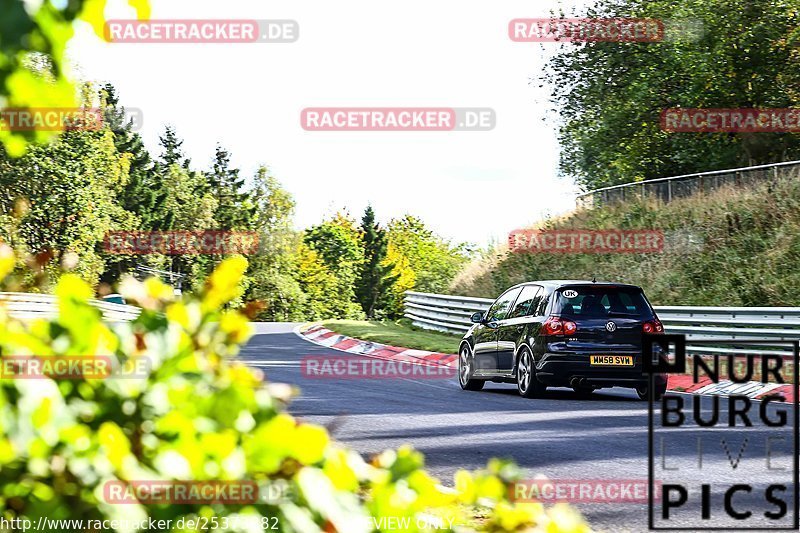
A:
x: 191, y: 208
x: 290, y: 279
x: 274, y: 204
x: 329, y: 293
x: 234, y: 209
x: 422, y: 261
x: 337, y: 240
x: 337, y: 244
x: 172, y: 154
x: 375, y: 277
x: 66, y: 196
x: 143, y: 194
x: 273, y: 270
x: 610, y: 95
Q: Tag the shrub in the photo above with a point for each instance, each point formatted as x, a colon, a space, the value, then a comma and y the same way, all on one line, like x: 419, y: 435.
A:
x: 195, y: 414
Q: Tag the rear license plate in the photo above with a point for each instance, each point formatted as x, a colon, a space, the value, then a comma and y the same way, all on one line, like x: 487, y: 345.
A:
x: 611, y: 360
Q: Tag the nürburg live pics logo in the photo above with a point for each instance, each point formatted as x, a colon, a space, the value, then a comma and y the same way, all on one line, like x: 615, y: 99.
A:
x: 725, y: 456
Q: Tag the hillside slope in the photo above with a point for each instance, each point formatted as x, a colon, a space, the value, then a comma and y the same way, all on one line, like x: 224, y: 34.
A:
x: 730, y: 247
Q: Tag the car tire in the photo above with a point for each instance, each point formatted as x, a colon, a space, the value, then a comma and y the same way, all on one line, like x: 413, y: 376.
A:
x: 465, y: 371
x: 643, y: 392
x: 527, y: 383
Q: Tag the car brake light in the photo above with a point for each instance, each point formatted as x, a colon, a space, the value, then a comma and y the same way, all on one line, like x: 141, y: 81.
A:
x: 653, y: 326
x: 555, y: 326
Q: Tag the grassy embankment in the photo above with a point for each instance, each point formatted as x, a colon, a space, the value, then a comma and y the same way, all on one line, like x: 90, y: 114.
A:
x: 400, y: 333
x: 730, y: 247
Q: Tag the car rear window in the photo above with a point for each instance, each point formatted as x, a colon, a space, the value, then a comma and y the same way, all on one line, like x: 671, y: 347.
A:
x: 601, y: 302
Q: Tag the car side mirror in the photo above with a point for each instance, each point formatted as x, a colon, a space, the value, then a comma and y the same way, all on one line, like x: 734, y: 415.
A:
x: 477, y: 318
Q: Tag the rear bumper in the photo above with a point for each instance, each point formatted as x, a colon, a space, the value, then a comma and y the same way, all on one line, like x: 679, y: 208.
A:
x: 570, y: 369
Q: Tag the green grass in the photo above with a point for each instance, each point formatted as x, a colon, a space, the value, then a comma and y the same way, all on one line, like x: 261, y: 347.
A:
x: 400, y: 333
x: 730, y: 247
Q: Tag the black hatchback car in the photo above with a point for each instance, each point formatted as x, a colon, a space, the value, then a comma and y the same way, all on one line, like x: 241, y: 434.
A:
x: 581, y: 334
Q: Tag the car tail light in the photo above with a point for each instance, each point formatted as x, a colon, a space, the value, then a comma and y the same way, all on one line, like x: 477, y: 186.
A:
x: 653, y: 326
x: 555, y: 326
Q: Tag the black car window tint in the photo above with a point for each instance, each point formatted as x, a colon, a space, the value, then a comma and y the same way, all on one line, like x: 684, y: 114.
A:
x: 522, y: 306
x: 568, y: 306
x: 542, y: 305
x: 501, y: 307
x: 493, y: 309
x: 629, y: 304
x: 616, y: 303
x: 592, y: 306
x: 525, y: 301
x: 500, y: 312
x: 602, y: 302
x: 533, y: 309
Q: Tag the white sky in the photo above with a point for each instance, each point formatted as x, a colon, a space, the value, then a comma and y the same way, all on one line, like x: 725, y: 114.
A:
x: 469, y: 186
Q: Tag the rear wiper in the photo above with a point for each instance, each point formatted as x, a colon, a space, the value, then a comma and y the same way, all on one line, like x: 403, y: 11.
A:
x: 620, y: 313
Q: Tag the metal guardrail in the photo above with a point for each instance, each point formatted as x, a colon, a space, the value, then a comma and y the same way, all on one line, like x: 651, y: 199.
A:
x: 27, y: 306
x: 667, y: 189
x: 451, y: 314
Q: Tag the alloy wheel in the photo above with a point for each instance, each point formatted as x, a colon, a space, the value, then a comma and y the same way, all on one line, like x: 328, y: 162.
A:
x: 524, y: 372
x: 464, y: 366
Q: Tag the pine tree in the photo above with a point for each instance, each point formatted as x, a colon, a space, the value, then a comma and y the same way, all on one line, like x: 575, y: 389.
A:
x: 171, y: 154
x: 171, y: 144
x: 143, y: 193
x: 375, y: 279
x: 235, y: 209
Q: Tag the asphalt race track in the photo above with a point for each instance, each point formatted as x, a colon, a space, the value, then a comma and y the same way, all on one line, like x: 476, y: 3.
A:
x: 561, y: 436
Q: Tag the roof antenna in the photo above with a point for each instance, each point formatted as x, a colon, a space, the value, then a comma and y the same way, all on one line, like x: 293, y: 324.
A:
x: 594, y: 279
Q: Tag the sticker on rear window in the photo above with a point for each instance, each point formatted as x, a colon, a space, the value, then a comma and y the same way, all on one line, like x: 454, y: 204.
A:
x: 570, y: 294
